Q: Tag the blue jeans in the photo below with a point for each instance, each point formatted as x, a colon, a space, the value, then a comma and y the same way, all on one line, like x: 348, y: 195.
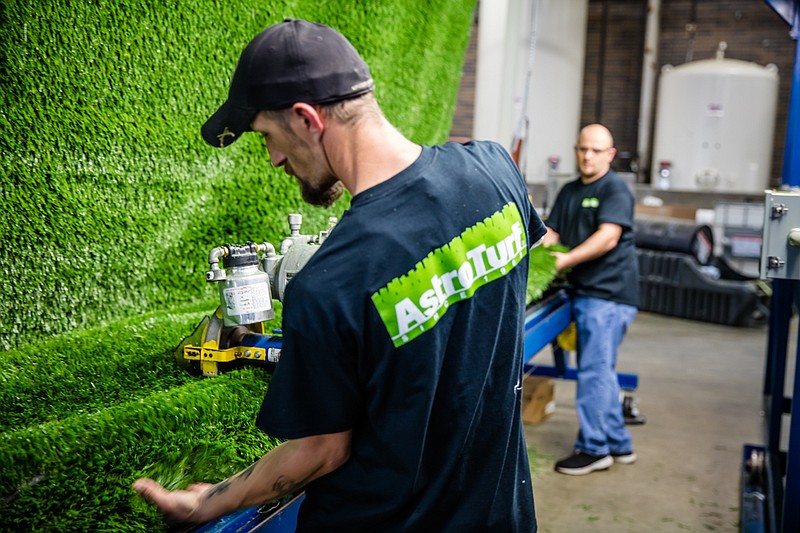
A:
x: 601, y: 325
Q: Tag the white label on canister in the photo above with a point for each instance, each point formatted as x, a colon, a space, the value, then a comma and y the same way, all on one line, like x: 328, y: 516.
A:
x: 248, y: 298
x: 273, y: 355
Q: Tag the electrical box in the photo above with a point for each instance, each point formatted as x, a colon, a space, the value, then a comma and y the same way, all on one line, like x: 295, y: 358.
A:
x: 780, y: 247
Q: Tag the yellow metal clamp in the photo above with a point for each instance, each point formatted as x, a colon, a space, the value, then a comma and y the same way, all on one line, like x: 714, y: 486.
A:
x: 210, y: 354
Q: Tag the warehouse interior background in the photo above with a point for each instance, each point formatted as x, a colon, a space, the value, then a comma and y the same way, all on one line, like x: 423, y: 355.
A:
x: 538, y: 71
x: 703, y: 345
x: 600, y: 61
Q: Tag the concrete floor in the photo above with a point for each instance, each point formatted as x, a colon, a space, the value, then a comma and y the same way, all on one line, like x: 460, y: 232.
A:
x: 700, y: 390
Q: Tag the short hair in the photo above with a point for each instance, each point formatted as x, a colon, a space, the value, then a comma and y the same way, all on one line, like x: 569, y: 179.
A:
x: 346, y: 111
x: 352, y: 109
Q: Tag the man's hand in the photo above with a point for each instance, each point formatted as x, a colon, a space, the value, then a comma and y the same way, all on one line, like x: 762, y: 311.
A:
x: 550, y: 238
x: 561, y: 260
x: 281, y: 471
x: 177, y: 505
x: 599, y: 243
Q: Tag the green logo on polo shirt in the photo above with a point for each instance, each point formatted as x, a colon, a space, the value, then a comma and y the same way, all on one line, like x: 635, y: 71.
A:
x: 590, y: 202
x: 414, y: 302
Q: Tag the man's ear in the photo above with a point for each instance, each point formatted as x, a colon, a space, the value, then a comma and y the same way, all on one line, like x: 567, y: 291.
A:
x: 310, y: 115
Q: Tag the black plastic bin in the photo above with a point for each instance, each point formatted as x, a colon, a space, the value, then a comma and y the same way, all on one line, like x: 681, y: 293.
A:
x: 672, y: 283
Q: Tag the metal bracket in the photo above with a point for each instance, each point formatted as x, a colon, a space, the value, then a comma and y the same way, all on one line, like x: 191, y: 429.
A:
x: 778, y: 210
x: 774, y: 262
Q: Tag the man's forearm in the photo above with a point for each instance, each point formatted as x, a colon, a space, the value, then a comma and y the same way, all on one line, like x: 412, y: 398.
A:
x: 258, y: 483
x: 599, y: 243
x: 283, y: 470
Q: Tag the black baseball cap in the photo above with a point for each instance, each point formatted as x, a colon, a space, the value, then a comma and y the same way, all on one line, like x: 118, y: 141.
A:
x: 292, y: 61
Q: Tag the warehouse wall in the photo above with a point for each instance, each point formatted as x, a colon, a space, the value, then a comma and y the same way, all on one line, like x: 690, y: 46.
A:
x: 613, y: 69
x: 464, y: 115
x: 688, y: 30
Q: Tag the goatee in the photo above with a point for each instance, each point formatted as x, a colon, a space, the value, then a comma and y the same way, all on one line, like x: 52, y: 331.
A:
x: 323, y: 195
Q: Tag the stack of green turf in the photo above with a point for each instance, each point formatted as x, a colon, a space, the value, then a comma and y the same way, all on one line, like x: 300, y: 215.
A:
x: 86, y: 413
x: 109, y: 204
x: 109, y: 198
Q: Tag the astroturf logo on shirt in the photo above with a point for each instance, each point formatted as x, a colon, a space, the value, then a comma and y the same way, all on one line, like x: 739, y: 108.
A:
x: 413, y: 303
x: 590, y: 202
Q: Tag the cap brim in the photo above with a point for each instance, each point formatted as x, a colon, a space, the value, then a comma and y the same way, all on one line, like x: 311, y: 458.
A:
x: 227, y: 125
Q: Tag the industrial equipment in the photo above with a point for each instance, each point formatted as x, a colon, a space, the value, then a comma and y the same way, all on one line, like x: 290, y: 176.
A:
x: 780, y: 248
x: 770, y: 487
x: 279, y: 516
x: 681, y: 276
x: 251, y: 276
x: 715, y: 125
x: 770, y: 476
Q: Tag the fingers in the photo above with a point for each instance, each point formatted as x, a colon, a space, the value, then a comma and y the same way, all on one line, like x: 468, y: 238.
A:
x: 559, y: 257
x: 179, y: 505
x: 145, y: 486
x: 154, y: 492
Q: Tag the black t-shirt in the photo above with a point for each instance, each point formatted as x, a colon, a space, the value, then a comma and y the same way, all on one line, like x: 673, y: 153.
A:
x: 577, y: 213
x: 407, y: 326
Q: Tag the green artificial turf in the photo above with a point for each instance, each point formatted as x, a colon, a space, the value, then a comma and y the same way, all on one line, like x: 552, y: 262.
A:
x: 75, y: 474
x: 542, y: 271
x: 90, y: 411
x: 109, y: 198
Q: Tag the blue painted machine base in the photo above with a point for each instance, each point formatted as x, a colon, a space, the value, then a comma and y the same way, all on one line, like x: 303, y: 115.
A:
x: 543, y: 324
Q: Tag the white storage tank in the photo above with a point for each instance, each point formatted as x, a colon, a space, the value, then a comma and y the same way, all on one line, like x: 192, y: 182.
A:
x: 714, y: 126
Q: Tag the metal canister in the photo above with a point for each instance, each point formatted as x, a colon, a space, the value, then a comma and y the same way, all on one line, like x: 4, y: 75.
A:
x: 244, y: 294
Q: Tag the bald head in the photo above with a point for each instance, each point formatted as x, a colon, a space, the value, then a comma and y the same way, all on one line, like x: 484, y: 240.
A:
x: 594, y: 152
x: 597, y: 132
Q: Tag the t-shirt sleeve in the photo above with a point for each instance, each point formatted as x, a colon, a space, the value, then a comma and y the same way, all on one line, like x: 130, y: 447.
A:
x: 314, y: 389
x: 617, y: 206
x: 536, y: 228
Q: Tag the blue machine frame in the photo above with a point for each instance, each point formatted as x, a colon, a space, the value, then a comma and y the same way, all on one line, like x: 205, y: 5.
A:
x: 543, y: 323
x: 257, y: 520
x: 770, y: 499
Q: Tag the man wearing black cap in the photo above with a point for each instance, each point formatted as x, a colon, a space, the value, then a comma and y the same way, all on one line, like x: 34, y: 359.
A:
x: 398, y: 389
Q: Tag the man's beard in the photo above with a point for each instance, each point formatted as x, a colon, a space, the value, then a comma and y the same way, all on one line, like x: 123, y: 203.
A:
x: 323, y: 194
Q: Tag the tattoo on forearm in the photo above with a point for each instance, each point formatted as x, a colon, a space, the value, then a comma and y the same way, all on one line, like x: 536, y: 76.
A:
x: 222, y: 486
x: 219, y: 488
x: 247, y: 472
x: 285, y: 486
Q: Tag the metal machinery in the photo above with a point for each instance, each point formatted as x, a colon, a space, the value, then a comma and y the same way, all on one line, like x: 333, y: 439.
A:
x: 252, y: 275
x: 770, y: 479
x: 771, y: 476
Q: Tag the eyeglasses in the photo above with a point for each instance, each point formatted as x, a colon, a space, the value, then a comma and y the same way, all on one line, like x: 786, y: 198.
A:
x: 585, y: 149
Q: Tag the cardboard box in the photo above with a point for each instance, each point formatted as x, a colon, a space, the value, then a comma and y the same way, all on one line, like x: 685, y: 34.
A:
x: 538, y: 399
x: 686, y: 212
